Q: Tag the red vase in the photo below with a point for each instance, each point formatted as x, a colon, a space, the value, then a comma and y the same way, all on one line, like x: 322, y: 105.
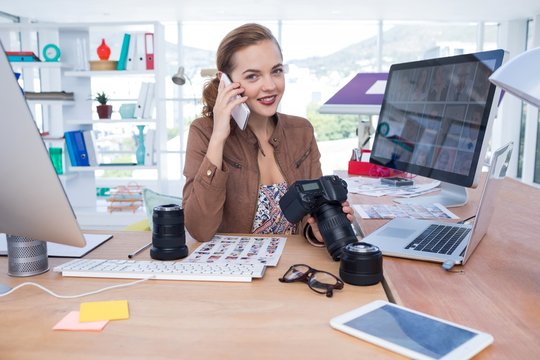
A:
x: 103, y: 51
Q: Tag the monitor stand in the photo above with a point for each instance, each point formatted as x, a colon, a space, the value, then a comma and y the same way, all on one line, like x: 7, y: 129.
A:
x: 450, y: 196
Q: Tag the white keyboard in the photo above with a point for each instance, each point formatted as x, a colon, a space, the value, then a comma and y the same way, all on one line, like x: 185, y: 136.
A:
x: 164, y: 270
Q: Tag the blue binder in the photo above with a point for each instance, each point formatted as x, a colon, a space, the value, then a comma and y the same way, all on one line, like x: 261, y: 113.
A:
x: 75, y: 141
x: 70, y: 148
x: 122, y: 60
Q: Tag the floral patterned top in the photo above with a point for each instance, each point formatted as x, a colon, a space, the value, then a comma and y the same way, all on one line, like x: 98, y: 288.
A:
x: 269, y: 218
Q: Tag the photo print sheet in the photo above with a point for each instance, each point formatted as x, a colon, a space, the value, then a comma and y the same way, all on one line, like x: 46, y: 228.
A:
x: 414, y: 211
x: 239, y: 250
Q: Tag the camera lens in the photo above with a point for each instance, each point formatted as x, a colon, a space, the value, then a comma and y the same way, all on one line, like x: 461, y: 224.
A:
x: 361, y: 264
x: 168, y: 235
x: 335, y: 228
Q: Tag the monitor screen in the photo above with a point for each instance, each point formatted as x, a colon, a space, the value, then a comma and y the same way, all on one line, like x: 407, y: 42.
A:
x: 436, y: 117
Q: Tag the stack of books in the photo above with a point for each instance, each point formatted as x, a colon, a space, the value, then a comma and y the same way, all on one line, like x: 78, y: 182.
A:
x: 49, y: 95
x: 22, y: 56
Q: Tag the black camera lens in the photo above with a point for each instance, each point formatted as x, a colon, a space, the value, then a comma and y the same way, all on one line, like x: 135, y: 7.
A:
x: 168, y: 234
x: 335, y: 228
x: 361, y: 264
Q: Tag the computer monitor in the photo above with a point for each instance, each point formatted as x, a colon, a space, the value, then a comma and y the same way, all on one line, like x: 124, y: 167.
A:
x: 435, y: 121
x: 33, y: 205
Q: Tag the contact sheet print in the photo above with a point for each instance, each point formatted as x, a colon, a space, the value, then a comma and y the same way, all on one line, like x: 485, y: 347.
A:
x: 239, y: 250
x: 415, y: 211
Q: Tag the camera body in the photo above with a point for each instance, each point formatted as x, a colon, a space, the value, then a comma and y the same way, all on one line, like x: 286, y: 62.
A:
x: 306, y: 196
x: 321, y: 198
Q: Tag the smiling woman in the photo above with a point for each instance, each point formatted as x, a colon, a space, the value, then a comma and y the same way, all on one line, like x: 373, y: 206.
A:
x: 235, y: 178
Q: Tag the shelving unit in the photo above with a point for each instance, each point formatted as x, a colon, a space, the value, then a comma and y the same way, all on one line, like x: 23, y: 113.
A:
x: 72, y: 74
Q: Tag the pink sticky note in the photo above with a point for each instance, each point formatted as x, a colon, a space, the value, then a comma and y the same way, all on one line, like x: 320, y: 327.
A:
x: 71, y: 323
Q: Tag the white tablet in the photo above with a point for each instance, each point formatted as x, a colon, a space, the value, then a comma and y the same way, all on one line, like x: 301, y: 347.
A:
x: 411, y: 333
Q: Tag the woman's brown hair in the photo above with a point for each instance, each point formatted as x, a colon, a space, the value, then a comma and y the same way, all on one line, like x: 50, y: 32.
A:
x: 239, y: 38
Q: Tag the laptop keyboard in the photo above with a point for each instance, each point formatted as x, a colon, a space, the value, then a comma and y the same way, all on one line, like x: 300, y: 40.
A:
x: 440, y: 239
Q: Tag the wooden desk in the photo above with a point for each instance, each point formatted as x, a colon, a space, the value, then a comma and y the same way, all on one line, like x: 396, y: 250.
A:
x: 264, y: 319
x: 499, y: 290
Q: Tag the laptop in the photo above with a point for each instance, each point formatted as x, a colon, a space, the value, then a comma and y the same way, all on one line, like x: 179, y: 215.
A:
x: 448, y: 243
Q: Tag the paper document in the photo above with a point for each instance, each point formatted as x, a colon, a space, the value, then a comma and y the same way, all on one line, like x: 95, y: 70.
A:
x: 373, y: 187
x: 240, y: 250
x: 415, y: 211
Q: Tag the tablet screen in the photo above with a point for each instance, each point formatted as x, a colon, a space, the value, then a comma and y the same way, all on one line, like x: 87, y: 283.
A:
x: 412, y: 331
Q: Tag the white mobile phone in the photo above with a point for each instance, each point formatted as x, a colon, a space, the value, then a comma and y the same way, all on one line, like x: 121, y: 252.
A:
x: 241, y: 112
x: 411, y: 333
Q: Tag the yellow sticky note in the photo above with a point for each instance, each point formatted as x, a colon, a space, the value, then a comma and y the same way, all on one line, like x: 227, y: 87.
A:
x: 104, y: 310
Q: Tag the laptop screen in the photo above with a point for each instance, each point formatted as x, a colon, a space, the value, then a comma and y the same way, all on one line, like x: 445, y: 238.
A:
x: 497, y: 171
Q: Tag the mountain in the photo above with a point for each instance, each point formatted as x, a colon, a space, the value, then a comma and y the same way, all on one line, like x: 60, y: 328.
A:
x: 400, y: 42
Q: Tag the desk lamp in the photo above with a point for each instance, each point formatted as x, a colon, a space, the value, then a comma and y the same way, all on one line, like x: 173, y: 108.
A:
x: 180, y: 77
x: 520, y: 76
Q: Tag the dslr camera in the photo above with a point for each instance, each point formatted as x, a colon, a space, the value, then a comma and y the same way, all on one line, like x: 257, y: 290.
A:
x: 321, y: 198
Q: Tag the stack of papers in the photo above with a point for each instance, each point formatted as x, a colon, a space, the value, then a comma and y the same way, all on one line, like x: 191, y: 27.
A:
x: 239, y: 250
x: 414, y: 211
x: 373, y: 187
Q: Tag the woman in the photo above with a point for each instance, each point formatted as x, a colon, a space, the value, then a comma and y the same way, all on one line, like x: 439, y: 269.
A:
x: 234, y: 177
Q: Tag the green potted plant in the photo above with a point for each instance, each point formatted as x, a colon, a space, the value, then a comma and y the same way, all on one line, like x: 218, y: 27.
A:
x: 104, y: 111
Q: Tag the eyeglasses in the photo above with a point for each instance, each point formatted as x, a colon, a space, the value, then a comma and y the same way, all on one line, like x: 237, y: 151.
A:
x: 319, y: 281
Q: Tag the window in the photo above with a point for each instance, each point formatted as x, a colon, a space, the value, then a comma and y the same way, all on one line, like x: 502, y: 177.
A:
x: 322, y: 57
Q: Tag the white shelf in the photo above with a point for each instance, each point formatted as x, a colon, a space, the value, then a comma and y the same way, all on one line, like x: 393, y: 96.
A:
x: 38, y: 64
x: 111, y: 121
x: 112, y: 167
x: 100, y: 218
x: 59, y: 116
x: 109, y: 73
x: 47, y: 139
x: 51, y: 102
x: 67, y: 177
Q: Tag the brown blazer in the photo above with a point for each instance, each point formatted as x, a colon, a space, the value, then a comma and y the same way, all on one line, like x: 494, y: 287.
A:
x: 224, y: 200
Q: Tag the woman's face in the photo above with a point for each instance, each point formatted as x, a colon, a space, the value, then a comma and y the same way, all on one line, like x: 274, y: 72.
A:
x: 259, y: 69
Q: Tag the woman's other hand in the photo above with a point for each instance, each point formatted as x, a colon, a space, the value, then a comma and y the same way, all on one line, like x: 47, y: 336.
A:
x: 347, y: 209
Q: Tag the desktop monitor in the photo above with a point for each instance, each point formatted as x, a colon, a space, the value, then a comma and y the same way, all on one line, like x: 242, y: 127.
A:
x: 435, y: 121
x: 33, y: 205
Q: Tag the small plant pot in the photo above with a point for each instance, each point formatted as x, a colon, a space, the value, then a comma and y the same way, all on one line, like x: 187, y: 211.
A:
x: 104, y: 111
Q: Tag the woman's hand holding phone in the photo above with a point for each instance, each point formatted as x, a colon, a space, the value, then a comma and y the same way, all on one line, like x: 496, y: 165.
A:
x: 240, y: 111
x: 222, y: 118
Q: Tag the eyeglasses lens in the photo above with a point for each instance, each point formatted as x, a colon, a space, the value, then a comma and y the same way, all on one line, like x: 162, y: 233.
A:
x: 296, y: 272
x: 321, y: 280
